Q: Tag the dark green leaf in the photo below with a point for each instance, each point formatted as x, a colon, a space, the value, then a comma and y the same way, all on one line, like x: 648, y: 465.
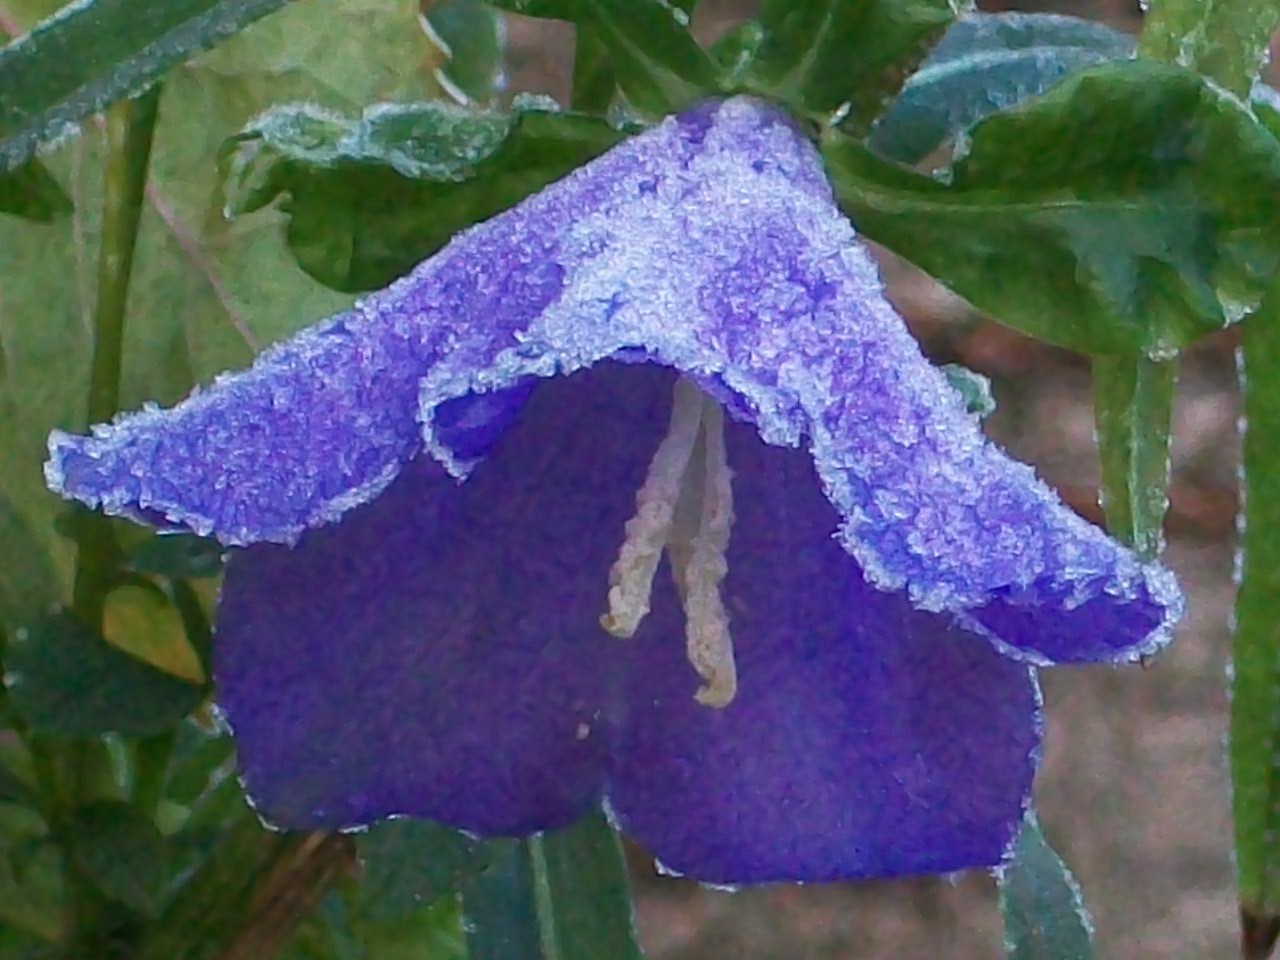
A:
x: 370, y: 198
x: 653, y: 57
x: 409, y: 864
x: 1130, y: 209
x: 177, y: 556
x: 65, y: 680
x: 1255, y: 684
x: 1044, y: 914
x: 657, y: 64
x: 818, y: 55
x: 985, y: 63
x: 30, y: 191
x: 500, y: 912
x: 122, y: 852
x: 469, y: 36
x: 593, y: 83
x: 735, y: 52
x: 1225, y: 40
x: 91, y: 54
x: 561, y: 896
x: 1133, y: 404
x: 13, y: 789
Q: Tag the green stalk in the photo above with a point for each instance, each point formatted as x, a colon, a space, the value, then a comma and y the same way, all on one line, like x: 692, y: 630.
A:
x: 130, y: 126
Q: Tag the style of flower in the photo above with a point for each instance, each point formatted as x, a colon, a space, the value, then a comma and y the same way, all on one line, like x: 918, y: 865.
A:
x: 639, y: 493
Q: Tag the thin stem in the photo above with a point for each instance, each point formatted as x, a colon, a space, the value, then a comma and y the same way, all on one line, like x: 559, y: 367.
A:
x: 130, y: 127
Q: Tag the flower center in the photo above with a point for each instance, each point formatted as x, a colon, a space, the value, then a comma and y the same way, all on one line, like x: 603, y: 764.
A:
x: 684, y: 506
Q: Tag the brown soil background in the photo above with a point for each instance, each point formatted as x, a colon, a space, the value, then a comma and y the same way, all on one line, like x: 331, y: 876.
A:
x: 1134, y: 790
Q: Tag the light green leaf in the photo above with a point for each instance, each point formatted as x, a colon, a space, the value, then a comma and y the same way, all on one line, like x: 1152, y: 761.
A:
x: 1225, y: 40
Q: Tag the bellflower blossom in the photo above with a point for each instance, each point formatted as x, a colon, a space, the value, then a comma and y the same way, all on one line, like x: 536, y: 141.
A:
x: 638, y: 493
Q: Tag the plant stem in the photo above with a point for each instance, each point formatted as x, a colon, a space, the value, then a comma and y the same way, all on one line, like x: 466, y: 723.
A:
x: 130, y: 126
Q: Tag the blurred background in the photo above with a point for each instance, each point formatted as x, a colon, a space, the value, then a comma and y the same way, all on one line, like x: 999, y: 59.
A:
x: 1134, y: 791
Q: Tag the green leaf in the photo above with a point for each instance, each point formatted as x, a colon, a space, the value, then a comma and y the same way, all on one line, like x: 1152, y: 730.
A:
x: 408, y: 864
x: 560, y: 896
x: 818, y: 55
x: 986, y: 63
x: 593, y: 83
x: 736, y: 51
x: 91, y: 54
x: 30, y: 191
x: 1044, y: 914
x: 122, y: 852
x: 1133, y: 404
x: 1226, y: 40
x: 653, y: 57
x: 205, y: 295
x: 370, y: 198
x: 470, y: 39
x: 657, y: 64
x: 64, y: 680
x: 1255, y: 683
x: 1130, y: 209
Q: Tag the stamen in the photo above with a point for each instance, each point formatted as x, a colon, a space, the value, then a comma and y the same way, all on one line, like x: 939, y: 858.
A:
x: 631, y: 577
x: 704, y: 566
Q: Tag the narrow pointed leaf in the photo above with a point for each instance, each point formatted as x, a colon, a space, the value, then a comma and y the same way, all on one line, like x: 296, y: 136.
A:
x: 1130, y: 209
x: 819, y: 54
x: 1255, y: 685
x: 560, y: 896
x: 1044, y: 913
x: 1133, y: 403
x: 409, y: 864
x: 91, y: 54
x: 986, y: 63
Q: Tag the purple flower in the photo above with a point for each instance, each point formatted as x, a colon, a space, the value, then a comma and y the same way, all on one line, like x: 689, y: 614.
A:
x: 639, y: 492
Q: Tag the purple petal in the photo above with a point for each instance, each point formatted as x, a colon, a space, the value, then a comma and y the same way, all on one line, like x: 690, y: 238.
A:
x: 439, y: 653
x: 867, y: 738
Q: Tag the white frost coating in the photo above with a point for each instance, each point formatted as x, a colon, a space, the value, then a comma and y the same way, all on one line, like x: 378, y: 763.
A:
x: 679, y: 218
x: 647, y: 533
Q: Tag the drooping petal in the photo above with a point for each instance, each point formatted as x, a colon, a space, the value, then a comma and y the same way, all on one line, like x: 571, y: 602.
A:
x: 867, y: 738
x: 439, y: 652
x: 712, y: 244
